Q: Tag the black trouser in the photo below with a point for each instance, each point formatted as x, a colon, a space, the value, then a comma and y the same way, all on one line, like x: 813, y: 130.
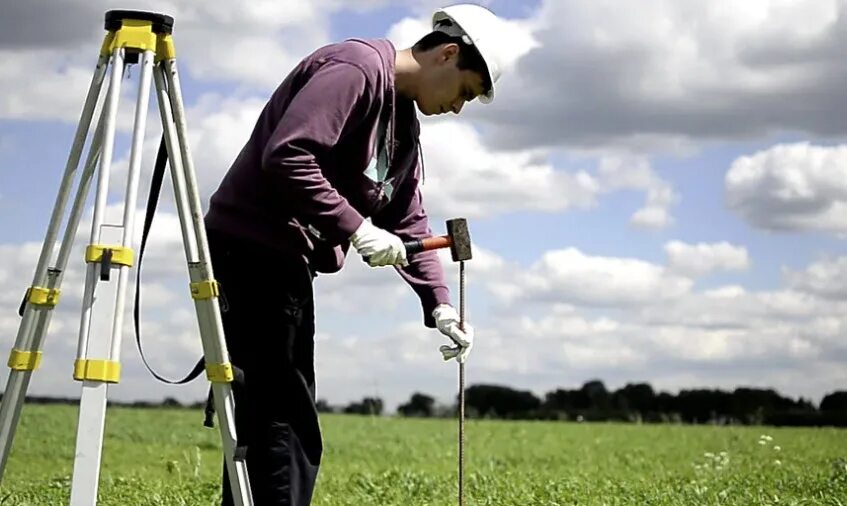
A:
x: 268, y: 317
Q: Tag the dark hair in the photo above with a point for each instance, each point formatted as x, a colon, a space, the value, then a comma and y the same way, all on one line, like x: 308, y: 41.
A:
x: 469, y: 57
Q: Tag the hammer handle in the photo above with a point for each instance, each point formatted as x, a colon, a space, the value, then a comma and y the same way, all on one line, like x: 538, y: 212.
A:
x: 427, y: 244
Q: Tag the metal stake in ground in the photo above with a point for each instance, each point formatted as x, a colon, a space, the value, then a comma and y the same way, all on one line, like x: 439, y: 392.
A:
x: 460, y: 249
x: 462, y: 387
x: 458, y: 239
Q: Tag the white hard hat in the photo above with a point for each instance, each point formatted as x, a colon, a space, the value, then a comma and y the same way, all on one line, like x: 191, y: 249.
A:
x: 477, y: 26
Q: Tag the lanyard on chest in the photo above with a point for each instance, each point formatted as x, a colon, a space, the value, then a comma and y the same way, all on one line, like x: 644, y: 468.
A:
x: 380, y: 163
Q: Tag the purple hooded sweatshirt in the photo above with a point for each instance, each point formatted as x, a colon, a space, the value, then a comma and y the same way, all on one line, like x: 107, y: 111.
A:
x: 333, y: 145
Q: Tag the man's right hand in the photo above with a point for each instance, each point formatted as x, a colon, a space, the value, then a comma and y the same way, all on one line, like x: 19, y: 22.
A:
x: 378, y: 247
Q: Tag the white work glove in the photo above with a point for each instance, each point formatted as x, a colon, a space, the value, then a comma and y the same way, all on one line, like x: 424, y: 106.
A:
x: 447, y: 322
x: 378, y: 247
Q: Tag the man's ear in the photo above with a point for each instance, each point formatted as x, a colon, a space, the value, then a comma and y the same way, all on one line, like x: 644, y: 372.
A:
x: 449, y: 52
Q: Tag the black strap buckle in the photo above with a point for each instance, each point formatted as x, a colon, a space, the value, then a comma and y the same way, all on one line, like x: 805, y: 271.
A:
x: 106, y: 265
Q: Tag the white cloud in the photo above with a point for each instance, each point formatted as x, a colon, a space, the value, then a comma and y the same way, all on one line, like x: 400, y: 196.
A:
x: 791, y: 187
x: 465, y: 177
x: 407, y: 31
x: 732, y: 308
x: 378, y: 289
x: 621, y: 173
x: 696, y: 260
x: 571, y: 276
x: 649, y: 76
x: 252, y: 47
x: 617, y: 319
x: 652, y: 216
x: 52, y: 92
x: 394, y: 360
x: 677, y: 352
x: 825, y: 278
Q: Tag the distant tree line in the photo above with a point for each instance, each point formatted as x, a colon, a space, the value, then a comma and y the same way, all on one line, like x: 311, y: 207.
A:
x: 635, y: 402
x: 638, y: 402
x: 168, y: 402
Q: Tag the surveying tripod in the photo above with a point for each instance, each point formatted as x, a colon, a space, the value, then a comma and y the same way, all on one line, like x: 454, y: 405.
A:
x: 131, y: 37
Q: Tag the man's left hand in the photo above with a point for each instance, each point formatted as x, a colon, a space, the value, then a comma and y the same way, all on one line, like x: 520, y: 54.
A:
x: 447, y: 322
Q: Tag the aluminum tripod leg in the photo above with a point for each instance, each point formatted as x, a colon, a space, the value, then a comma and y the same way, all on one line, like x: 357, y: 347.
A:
x: 204, y: 288
x: 44, y: 293
x: 96, y: 373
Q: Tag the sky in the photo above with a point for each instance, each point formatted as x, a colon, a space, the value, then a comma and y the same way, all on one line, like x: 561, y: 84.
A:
x: 655, y: 195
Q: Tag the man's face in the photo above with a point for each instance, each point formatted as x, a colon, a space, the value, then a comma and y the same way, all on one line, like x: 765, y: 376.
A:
x: 444, y: 87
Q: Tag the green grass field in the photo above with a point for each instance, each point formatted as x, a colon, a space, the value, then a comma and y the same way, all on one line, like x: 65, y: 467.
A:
x: 166, y: 457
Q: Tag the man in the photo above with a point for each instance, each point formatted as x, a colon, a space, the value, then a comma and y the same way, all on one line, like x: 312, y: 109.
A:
x: 336, y: 144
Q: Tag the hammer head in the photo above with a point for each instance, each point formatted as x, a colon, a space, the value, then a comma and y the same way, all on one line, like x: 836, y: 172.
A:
x: 460, y: 239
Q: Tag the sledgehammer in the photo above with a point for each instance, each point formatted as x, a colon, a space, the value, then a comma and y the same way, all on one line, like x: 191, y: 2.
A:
x: 458, y: 239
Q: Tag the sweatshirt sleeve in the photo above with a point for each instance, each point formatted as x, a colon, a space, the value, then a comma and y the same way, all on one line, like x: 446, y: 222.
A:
x: 406, y: 217
x: 333, y: 99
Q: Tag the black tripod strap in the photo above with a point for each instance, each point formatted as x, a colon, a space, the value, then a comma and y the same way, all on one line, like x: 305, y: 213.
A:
x: 152, y: 201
